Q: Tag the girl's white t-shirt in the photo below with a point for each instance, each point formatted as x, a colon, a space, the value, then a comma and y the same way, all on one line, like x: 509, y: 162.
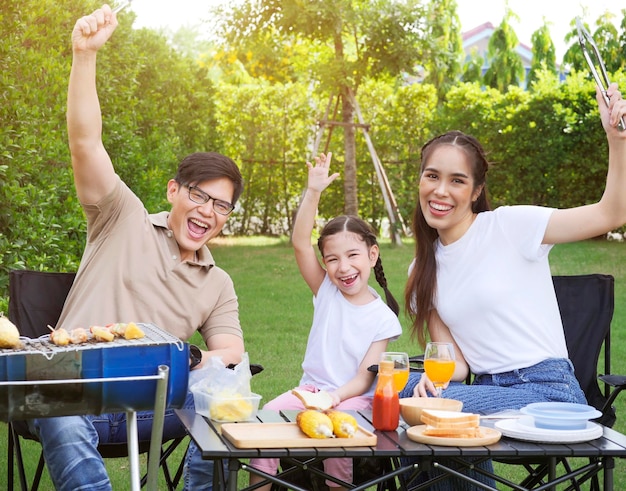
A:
x: 341, y: 334
x: 495, y: 291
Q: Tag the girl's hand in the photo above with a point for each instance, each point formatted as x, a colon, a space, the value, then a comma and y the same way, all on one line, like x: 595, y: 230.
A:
x: 92, y: 31
x: 318, y: 173
x: 335, y: 398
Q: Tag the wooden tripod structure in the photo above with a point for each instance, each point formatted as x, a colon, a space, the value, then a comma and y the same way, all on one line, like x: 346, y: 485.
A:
x: 396, y: 224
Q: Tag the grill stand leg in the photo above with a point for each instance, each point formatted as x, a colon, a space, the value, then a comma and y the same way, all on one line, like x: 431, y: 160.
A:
x: 156, y: 438
x: 133, y: 450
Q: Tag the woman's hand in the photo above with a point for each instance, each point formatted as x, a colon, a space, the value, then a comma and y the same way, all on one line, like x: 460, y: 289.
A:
x: 616, y: 109
x: 425, y: 387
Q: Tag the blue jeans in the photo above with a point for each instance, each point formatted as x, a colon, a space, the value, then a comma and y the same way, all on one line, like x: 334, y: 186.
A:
x: 70, y: 448
x: 551, y: 380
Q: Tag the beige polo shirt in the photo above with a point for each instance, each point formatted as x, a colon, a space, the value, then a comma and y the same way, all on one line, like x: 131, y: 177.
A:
x: 131, y: 271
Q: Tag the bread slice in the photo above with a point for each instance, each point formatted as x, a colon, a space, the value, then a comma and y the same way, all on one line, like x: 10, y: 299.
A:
x: 452, y: 432
x: 314, y: 400
x: 449, y: 419
x: 450, y: 424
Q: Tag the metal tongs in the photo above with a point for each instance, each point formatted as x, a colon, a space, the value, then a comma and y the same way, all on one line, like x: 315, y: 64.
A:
x: 586, y: 42
x: 122, y: 6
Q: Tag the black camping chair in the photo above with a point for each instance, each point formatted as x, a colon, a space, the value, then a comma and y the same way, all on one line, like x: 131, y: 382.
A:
x: 586, y: 303
x: 35, y: 301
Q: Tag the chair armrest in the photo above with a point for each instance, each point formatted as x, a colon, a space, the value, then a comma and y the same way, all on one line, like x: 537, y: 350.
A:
x: 254, y: 368
x: 618, y: 382
x: 416, y: 364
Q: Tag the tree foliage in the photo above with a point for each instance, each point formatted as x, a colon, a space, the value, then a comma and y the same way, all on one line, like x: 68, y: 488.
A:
x: 473, y: 67
x: 505, y: 64
x: 544, y: 54
x: 443, y: 62
x: 352, y: 39
x: 267, y: 128
x: 610, y: 43
x: 151, y: 98
x: 607, y: 38
x: 547, y: 146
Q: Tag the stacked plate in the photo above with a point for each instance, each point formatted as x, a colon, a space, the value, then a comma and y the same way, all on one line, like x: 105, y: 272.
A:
x: 553, y: 422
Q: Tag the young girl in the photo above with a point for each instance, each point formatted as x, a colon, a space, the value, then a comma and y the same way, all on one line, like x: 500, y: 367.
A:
x: 482, y: 281
x: 351, y: 324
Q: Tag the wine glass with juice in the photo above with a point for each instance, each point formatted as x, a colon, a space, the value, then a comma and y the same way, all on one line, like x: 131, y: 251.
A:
x: 439, y: 364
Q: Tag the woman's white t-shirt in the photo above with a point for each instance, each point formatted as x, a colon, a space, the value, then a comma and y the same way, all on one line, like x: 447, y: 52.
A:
x: 495, y: 291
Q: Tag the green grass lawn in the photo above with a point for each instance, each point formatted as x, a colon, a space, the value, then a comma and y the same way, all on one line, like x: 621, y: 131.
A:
x: 276, y: 311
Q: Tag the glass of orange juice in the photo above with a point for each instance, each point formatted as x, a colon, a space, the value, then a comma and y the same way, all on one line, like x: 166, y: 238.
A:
x: 401, y: 368
x: 439, y: 364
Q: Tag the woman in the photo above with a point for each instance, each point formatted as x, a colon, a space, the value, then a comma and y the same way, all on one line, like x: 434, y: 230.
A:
x: 481, y: 279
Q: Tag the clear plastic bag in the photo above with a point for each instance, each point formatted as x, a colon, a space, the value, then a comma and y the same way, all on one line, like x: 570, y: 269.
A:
x: 216, y: 378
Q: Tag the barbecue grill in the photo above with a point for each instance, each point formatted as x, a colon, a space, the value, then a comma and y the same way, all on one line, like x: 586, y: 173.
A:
x: 41, y: 379
x: 40, y: 362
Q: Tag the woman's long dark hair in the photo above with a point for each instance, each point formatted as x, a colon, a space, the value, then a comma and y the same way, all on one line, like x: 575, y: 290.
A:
x: 355, y: 225
x: 420, y: 289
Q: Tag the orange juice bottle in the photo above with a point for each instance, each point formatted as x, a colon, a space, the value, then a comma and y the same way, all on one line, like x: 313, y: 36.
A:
x: 386, y: 405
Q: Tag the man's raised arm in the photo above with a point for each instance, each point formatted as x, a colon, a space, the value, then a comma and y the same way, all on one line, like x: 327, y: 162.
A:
x: 94, y: 175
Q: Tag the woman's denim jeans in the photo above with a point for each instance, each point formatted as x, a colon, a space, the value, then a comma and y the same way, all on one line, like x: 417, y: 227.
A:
x: 550, y: 380
x: 74, y: 463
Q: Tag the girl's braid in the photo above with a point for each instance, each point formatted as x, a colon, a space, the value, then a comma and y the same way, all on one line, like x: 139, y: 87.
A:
x: 382, y: 281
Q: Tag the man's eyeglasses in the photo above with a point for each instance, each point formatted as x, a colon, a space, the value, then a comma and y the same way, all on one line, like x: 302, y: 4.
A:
x: 200, y: 197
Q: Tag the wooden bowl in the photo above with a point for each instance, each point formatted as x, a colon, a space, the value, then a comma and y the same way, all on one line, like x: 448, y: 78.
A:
x: 411, y: 407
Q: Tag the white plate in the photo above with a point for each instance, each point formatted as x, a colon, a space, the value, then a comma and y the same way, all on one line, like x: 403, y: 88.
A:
x: 524, y: 429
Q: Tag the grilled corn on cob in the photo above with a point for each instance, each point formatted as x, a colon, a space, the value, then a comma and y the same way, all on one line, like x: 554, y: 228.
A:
x: 315, y: 424
x: 9, y: 335
x: 344, y: 424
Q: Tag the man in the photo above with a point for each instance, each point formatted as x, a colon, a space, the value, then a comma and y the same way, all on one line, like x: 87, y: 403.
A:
x: 139, y: 267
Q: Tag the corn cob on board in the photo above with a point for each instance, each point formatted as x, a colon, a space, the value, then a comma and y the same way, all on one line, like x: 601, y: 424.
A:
x: 288, y: 435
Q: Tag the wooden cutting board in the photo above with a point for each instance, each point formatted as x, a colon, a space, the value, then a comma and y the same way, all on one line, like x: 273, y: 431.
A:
x: 287, y: 435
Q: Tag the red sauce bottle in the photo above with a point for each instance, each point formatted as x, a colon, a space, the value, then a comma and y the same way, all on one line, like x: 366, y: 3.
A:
x: 386, y: 405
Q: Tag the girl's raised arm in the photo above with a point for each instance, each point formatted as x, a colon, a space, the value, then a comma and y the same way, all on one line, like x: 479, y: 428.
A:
x: 306, y: 257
